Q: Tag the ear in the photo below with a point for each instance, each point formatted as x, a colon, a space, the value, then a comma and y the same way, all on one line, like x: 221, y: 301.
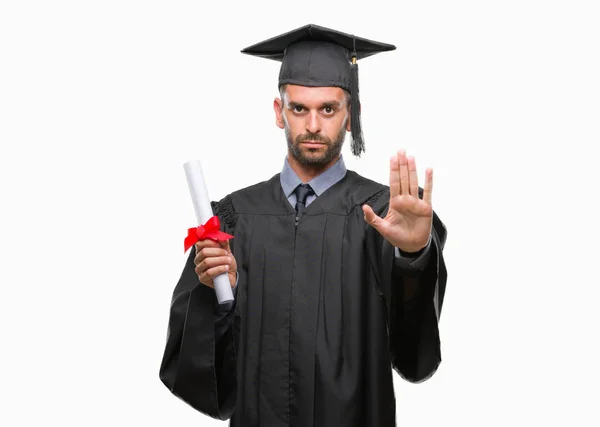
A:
x: 349, y: 123
x: 278, y: 108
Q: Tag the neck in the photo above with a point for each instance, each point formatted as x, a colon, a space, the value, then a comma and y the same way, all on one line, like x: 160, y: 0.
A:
x: 306, y: 172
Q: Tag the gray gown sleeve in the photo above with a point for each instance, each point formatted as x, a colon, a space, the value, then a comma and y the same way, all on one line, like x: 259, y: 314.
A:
x: 412, y: 317
x: 199, y: 364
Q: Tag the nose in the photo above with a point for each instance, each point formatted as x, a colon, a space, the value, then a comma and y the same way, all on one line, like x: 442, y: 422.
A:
x: 313, y: 124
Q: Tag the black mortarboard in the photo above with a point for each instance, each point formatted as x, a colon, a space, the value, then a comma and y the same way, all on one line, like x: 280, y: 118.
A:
x: 318, y: 56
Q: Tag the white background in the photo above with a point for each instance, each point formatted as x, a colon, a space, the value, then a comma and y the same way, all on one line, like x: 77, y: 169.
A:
x: 102, y: 102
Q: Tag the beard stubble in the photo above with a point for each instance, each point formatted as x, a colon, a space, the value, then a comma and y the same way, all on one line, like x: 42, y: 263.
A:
x: 311, y: 156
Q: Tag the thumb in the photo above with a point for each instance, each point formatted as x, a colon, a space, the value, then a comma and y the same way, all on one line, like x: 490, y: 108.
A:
x: 225, y: 245
x: 372, y: 218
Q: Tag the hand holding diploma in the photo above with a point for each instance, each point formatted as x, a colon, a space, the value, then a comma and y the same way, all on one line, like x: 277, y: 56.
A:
x: 215, y: 264
x: 213, y: 260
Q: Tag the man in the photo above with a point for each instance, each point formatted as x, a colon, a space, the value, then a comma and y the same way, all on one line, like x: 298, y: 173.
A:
x: 335, y: 283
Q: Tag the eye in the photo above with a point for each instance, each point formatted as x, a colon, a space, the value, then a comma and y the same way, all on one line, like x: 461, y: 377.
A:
x: 298, y: 109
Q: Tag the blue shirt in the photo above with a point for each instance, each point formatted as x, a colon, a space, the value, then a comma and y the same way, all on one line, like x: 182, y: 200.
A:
x: 289, y: 180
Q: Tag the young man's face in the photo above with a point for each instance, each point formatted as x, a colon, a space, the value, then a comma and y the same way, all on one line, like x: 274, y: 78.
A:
x: 315, y: 120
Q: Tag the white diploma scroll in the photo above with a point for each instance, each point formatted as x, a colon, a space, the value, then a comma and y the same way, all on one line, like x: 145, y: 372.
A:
x: 201, y: 201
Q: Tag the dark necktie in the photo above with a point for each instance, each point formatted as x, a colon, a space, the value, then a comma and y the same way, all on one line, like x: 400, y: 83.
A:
x: 302, y: 192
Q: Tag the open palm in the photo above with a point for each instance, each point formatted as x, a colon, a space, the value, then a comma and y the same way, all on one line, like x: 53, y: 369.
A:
x: 408, y: 222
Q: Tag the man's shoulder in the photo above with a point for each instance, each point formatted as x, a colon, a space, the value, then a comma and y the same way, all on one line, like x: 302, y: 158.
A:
x: 254, y: 194
x: 258, y: 188
x: 366, y: 189
x: 364, y: 181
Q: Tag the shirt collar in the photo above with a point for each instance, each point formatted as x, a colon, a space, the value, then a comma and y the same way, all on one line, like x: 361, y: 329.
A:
x: 289, y: 179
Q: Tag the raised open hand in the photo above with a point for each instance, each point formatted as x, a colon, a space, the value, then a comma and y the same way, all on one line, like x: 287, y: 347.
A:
x: 408, y: 222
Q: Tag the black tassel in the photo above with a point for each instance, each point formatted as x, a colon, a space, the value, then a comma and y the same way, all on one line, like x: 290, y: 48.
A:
x: 358, y: 144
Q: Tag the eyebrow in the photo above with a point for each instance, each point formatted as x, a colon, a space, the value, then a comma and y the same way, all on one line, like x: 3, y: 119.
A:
x: 327, y: 104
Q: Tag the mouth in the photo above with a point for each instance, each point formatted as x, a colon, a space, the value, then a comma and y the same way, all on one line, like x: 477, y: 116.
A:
x: 312, y: 144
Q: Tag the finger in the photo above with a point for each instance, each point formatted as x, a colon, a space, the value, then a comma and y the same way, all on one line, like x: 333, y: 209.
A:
x: 225, y: 245
x: 206, y: 243
x: 209, y: 252
x: 428, y: 189
x: 204, y: 278
x: 215, y: 271
x: 206, y: 281
x: 394, y: 177
x: 412, y: 176
x: 373, y: 219
x: 403, y: 166
x: 208, y: 263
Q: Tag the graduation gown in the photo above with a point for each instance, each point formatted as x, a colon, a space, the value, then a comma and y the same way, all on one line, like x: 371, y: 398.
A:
x: 319, y: 320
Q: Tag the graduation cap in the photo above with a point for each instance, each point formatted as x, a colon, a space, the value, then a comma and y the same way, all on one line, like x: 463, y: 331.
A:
x: 317, y: 56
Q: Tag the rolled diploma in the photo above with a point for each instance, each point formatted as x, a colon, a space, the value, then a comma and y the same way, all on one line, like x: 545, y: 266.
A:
x: 201, y: 201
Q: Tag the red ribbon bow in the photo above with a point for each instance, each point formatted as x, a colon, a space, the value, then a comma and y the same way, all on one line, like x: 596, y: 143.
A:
x: 210, y: 230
